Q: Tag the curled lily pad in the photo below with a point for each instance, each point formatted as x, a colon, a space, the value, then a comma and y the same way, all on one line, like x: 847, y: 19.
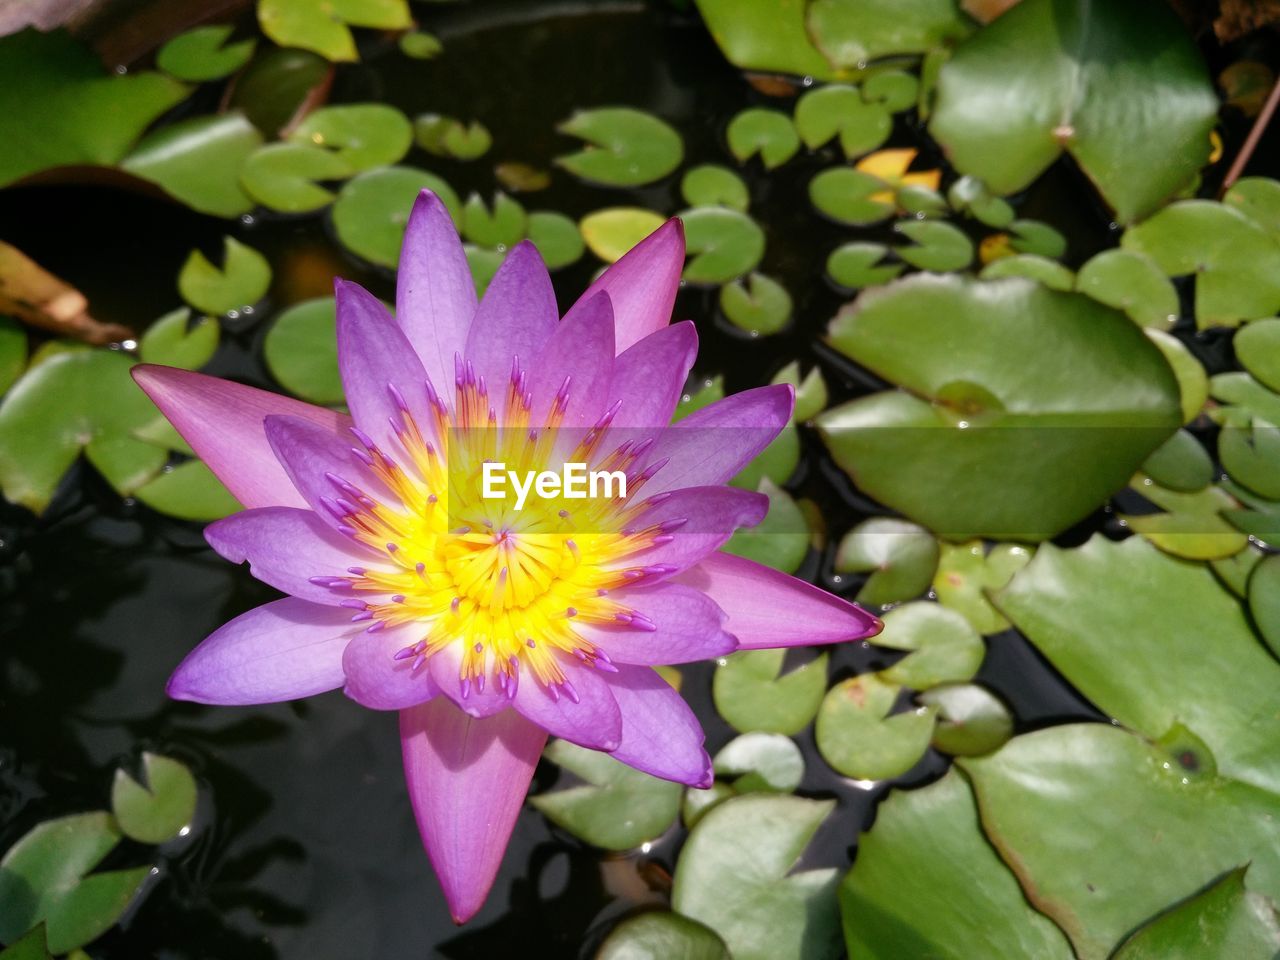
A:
x: 175, y: 341
x: 1264, y: 600
x: 158, y: 808
x: 840, y: 110
x: 723, y: 244
x: 611, y: 232
x: 811, y: 392
x: 751, y: 694
x: 769, y: 133
x: 781, y: 540
x: 970, y: 195
x: 556, y: 237
x: 188, y: 491
x: 662, y: 936
x: 852, y: 32
x: 241, y: 282
x: 1257, y: 348
x: 761, y: 305
x: 756, y: 762
x: 899, y: 555
x: 944, y: 647
x: 204, y: 54
x: 971, y: 719
x: 363, y: 135
x: 372, y: 209
x: 301, y: 352
x: 937, y: 246
x: 420, y: 45
x: 324, y: 26
x: 859, y: 738
x: 856, y: 265
x: 198, y: 161
x: 851, y: 197
x: 626, y: 147
x: 1181, y: 463
x: 967, y: 572
x: 710, y: 185
x: 502, y: 226
x: 450, y: 137
x: 282, y: 176
x: 1131, y: 282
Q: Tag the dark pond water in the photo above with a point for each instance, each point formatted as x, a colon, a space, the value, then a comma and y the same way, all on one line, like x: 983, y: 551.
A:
x: 305, y: 844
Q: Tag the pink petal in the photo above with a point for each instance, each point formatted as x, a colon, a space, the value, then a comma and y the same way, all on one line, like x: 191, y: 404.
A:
x: 377, y: 679
x: 649, y: 376
x: 515, y: 319
x: 435, y: 294
x: 591, y: 720
x: 467, y: 780
x: 223, y: 423
x: 579, y: 353
x: 643, y: 284
x: 283, y: 650
x: 472, y: 698
x: 687, y: 626
x: 767, y: 608
x: 660, y: 734
x: 708, y: 516
x: 287, y: 547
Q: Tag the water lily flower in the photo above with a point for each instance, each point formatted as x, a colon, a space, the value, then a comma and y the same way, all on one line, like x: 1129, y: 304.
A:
x: 490, y: 628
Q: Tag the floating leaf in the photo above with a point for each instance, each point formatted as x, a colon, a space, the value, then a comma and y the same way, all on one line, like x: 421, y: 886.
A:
x: 851, y: 197
x: 45, y: 878
x: 13, y: 351
x: 1033, y: 440
x: 1258, y: 198
x: 1041, y: 269
x: 625, y: 147
x: 175, y: 341
x: 777, y: 462
x: 1240, y: 390
x: 1193, y: 382
x: 161, y: 807
x: 1251, y: 455
x: 323, y: 26
x: 761, y: 762
x: 732, y: 876
x: 611, y: 232
x: 521, y: 177
x: 856, y: 265
x: 811, y: 392
x: 1080, y: 68
x: 1181, y: 464
x: 1190, y: 525
x: 420, y: 45
x: 362, y: 135
x: 301, y: 351
x: 967, y: 573
x: 896, y: 89
x: 945, y: 648
x: 840, y: 110
x: 242, y: 281
x: 859, y: 738
x: 709, y: 185
x: 769, y: 133
x: 278, y: 86
x: 449, y: 137
x: 938, y: 246
x: 372, y: 209
x: 723, y: 244
x: 502, y: 227
x: 198, y: 161
x: 1264, y: 599
x: 204, y: 54
x: 970, y: 195
x: 1257, y: 348
x: 282, y: 176
x: 751, y: 695
x: 781, y: 540
x: 618, y: 807
x: 764, y: 35
x: 971, y: 719
x: 556, y: 237
x: 926, y: 883
x: 899, y: 555
x: 1234, y: 571
x: 762, y: 305
x: 662, y: 936
x: 1131, y: 282
x: 852, y: 32
x: 189, y: 491
x: 1034, y: 237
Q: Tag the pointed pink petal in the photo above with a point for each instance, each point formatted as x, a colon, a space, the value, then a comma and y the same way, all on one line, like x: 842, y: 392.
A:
x: 591, y: 720
x: 686, y: 626
x: 467, y: 780
x: 579, y: 353
x: 660, y: 734
x: 287, y: 547
x: 767, y: 608
x: 515, y: 319
x: 711, y: 446
x: 223, y: 423
x: 649, y: 376
x: 707, y: 517
x: 377, y: 679
x: 643, y: 284
x: 435, y: 295
x: 478, y: 701
x: 283, y: 650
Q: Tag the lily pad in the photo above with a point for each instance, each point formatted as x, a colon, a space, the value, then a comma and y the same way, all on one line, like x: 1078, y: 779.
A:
x: 710, y: 185
x: 625, y: 147
x: 761, y: 306
x: 966, y: 575
x: 189, y: 491
x: 1032, y: 266
x: 556, y: 237
x: 449, y: 137
x: 362, y: 135
x: 840, y: 110
x: 859, y: 264
x: 301, y: 351
x: 611, y: 232
x: 372, y: 210
x: 769, y: 133
x: 970, y: 195
x: 282, y: 176
x: 896, y: 89
x: 1264, y: 600
x: 421, y: 45
x: 732, y: 875
x: 751, y: 694
x: 1257, y: 347
x: 501, y: 227
x: 1251, y: 455
x: 723, y: 244
x: 323, y: 26
x: 781, y: 539
x: 1190, y: 525
x: 859, y: 737
x: 811, y: 392
x: 1193, y: 382
x: 944, y: 647
x: 618, y: 808
x: 1258, y: 198
x: 1234, y: 571
x: 198, y: 161
x: 204, y: 54
x: 1132, y: 282
x: 900, y: 557
x: 764, y: 35
x: 242, y: 281
x: 852, y: 32
x: 936, y: 246
x: 1081, y: 68
x: 777, y: 462
x: 175, y: 341
x: 971, y: 719
x: 1033, y: 440
x: 662, y: 936
x: 1181, y: 464
x: 761, y: 762
x: 278, y: 86
x: 851, y: 197
x: 159, y: 808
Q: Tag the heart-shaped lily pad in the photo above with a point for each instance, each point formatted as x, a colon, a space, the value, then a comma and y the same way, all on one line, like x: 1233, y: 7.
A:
x: 966, y: 574
x: 840, y: 110
x: 860, y: 264
x: 198, y: 161
x: 761, y: 305
x: 1181, y: 464
x: 900, y: 557
x: 971, y: 719
x: 936, y: 245
x: 611, y: 232
x: 204, y: 54
x: 283, y: 176
x: 751, y: 695
x: 449, y: 137
x: 859, y: 737
x: 765, y: 35
x: 852, y: 32
x: 301, y: 351
x: 662, y: 936
x: 363, y: 135
x: 324, y: 26
x: 1189, y: 525
x: 1257, y: 348
x: 970, y: 195
x: 372, y: 210
x: 723, y: 244
x: 761, y: 762
x: 709, y: 185
x: 175, y: 341
x: 1132, y: 282
x: 556, y: 237
x: 769, y: 133
x: 161, y: 806
x: 851, y: 197
x: 626, y: 147
x: 241, y: 282
x: 944, y: 647
x: 811, y: 392
x: 501, y: 226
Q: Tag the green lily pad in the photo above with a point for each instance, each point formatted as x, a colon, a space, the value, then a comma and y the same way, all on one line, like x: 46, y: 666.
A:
x: 944, y: 647
x: 732, y: 876
x: 521, y: 177
x: 1240, y: 390
x: 449, y: 137
x: 45, y: 878
x: 1258, y: 198
x: 777, y: 462
x: 625, y: 147
x: 937, y: 245
x: 851, y: 197
x: 1251, y: 455
x: 662, y: 936
x: 697, y: 803
x: 1181, y: 464
x: 811, y: 392
x: 852, y: 32
x: 421, y: 45
x: 363, y: 135
x: 1039, y: 239
x: 723, y: 244
x: 970, y: 195
x: 898, y: 90
x: 840, y: 110
x: 1257, y: 348
x: 617, y: 808
x: 175, y: 341
x: 1234, y: 571
x: 58, y: 107
x: 204, y: 54
x: 13, y: 351
x: 1264, y: 600
x: 926, y: 883
x: 1193, y: 381
x: 189, y: 491
x: 502, y: 227
x: 324, y: 26
x: 1190, y: 525
x: 1236, y: 263
x: 751, y: 694
x: 769, y: 133
x: 710, y: 185
x: 611, y: 232
x: 761, y: 762
x: 278, y: 85
x: 859, y: 738
x: 243, y: 280
x: 967, y: 573
x: 1073, y: 93
x: 920, y: 201
x: 556, y: 237
x: 972, y: 720
x: 159, y: 809
x: 760, y: 306
x: 1033, y: 440
x: 372, y: 210
x: 1177, y: 619
x: 282, y: 176
x: 1032, y: 266
x: 1132, y: 282
x: 1042, y: 793
x: 764, y: 35
x: 780, y: 540
x: 301, y: 351
x: 198, y: 161
x: 900, y: 557
x: 859, y: 264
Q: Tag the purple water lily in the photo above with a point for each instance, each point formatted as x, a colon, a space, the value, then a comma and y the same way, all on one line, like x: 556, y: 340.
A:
x: 489, y: 627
